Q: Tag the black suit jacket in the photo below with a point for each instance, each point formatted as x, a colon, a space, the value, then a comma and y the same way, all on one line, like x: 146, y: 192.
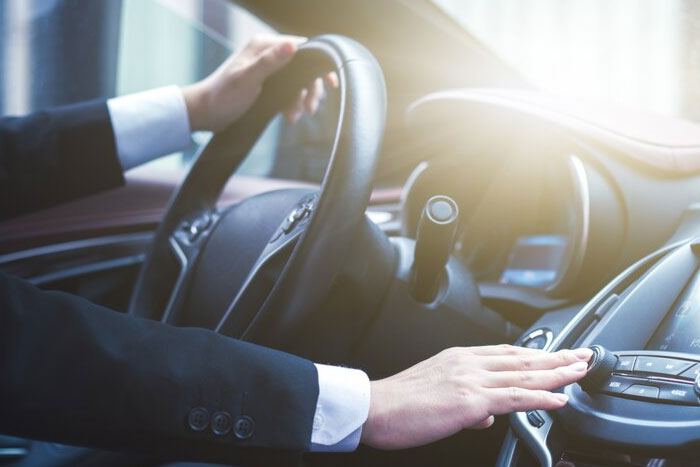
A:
x: 77, y: 373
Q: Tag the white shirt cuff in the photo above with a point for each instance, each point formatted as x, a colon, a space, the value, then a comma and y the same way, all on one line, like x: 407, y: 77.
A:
x: 341, y: 410
x: 149, y: 124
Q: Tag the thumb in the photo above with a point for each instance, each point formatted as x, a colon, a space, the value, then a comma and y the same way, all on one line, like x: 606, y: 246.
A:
x: 485, y: 423
x: 273, y: 59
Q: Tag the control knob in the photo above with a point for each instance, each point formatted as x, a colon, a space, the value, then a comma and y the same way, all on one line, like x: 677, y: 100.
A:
x: 600, y: 367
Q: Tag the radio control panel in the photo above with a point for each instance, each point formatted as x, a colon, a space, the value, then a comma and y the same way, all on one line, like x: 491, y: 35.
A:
x: 654, y: 378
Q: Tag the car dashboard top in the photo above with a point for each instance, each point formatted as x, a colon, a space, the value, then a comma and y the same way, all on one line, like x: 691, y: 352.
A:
x: 524, y: 220
x: 552, y: 211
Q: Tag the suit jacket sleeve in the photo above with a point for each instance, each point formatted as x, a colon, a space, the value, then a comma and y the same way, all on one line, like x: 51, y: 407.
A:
x: 77, y: 373
x: 56, y: 155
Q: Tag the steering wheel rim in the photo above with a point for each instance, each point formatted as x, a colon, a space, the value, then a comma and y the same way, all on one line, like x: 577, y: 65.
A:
x: 315, y: 260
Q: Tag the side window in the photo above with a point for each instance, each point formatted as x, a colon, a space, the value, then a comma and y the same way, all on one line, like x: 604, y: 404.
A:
x: 55, y: 52
x: 164, y: 42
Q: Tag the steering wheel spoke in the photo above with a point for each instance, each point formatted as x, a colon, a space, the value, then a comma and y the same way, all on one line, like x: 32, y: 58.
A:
x: 186, y: 242
x: 268, y: 296
x: 533, y: 428
x: 239, y: 312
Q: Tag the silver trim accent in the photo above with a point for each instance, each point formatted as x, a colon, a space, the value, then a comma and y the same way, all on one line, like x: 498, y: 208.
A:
x: 13, y: 452
x: 585, y: 198
x: 91, y: 268
x: 582, y: 199
x: 88, y: 248
x: 74, y: 245
x: 548, y: 336
x: 405, y: 191
x: 534, y: 436
x: 507, y: 454
x: 597, y: 298
x: 196, y: 236
x: 184, y: 266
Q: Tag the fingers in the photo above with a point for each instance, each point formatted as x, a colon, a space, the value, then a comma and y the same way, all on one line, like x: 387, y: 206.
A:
x: 273, y: 53
x: 272, y: 59
x: 503, y: 349
x: 294, y: 111
x: 514, y: 399
x: 260, y: 42
x: 313, y: 96
x: 536, y: 361
x: 308, y: 101
x: 537, y: 379
x: 332, y: 79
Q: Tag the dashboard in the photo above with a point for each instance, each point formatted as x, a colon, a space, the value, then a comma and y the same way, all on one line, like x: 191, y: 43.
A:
x: 524, y: 221
x: 639, y: 403
x: 553, y: 220
x: 541, y: 219
x: 680, y: 329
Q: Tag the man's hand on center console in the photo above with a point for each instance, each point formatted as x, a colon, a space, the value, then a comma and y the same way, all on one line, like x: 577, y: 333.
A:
x: 464, y: 387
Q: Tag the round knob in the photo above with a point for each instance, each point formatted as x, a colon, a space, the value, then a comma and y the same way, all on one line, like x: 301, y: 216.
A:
x: 600, y: 366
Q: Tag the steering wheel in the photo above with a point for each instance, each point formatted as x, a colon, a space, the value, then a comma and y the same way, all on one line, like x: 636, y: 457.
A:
x: 216, y: 263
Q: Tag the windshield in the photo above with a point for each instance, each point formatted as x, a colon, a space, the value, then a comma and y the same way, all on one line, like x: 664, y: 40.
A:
x: 642, y: 54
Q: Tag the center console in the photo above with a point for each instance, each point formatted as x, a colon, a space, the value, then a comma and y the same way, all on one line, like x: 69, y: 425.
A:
x: 640, y: 402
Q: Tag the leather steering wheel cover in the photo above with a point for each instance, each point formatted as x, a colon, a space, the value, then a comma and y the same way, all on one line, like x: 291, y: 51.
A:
x: 345, y: 191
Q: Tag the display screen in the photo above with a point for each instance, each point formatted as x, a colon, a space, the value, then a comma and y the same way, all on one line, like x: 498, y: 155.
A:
x: 535, y: 260
x: 680, y: 329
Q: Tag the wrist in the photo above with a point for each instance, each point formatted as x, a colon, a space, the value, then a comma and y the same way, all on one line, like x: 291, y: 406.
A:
x: 195, y: 96
x: 376, y: 421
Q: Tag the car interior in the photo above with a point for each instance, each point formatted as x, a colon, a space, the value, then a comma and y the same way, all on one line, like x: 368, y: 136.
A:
x: 444, y: 195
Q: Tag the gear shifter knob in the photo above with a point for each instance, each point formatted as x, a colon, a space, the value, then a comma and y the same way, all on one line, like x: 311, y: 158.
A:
x: 600, y: 366
x: 434, y: 241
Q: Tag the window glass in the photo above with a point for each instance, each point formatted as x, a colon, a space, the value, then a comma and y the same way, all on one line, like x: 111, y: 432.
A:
x: 637, y: 53
x: 163, y: 42
x: 55, y: 52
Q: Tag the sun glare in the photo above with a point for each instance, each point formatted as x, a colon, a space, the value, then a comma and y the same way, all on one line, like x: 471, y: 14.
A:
x: 637, y: 53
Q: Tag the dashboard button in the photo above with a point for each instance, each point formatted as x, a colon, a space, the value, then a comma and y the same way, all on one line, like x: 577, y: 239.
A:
x: 679, y: 393
x: 692, y: 372
x: 642, y: 390
x: 536, y: 343
x: 535, y: 419
x: 625, y: 362
x: 617, y: 385
x: 538, y: 339
x: 659, y: 365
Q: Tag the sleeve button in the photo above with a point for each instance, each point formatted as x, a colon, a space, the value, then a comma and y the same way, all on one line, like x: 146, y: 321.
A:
x: 198, y: 419
x: 243, y: 427
x: 221, y: 423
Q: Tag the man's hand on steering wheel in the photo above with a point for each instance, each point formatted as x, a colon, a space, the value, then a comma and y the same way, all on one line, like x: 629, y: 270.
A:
x: 224, y: 96
x: 464, y: 387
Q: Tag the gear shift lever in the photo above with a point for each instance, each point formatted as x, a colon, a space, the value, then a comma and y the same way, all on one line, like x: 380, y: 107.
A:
x: 434, y: 242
